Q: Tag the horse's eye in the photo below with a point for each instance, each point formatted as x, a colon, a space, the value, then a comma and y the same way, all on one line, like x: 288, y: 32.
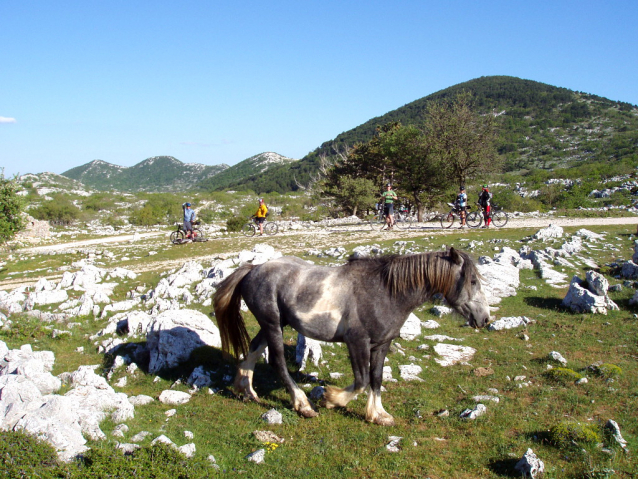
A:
x: 473, y: 282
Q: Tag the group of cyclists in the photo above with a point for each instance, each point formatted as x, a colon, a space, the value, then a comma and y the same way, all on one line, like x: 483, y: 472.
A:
x: 484, y: 201
x: 388, y: 198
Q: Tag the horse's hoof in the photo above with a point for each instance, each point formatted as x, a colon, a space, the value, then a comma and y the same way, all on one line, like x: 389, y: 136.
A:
x: 308, y: 412
x: 383, y: 420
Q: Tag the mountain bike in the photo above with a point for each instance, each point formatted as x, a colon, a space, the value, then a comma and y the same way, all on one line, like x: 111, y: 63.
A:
x: 251, y: 228
x: 402, y: 218
x: 499, y: 217
x: 179, y: 235
x: 447, y: 219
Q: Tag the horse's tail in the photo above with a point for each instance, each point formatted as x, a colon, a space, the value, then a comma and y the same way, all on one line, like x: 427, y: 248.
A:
x: 227, y: 303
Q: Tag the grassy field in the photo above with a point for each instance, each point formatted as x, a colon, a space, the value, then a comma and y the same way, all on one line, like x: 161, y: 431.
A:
x: 339, y: 442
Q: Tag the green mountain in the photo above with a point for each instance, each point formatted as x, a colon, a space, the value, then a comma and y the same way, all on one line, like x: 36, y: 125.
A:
x: 254, y: 165
x: 540, y: 126
x: 159, y: 173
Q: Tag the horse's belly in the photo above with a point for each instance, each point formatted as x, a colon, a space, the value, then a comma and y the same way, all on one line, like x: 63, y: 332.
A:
x: 326, y: 325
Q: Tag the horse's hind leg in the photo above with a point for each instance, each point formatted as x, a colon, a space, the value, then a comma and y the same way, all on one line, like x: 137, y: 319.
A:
x: 374, y: 409
x: 244, y: 379
x: 360, y: 360
x: 300, y: 402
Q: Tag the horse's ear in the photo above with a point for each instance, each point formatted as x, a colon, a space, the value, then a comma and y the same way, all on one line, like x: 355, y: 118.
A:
x: 455, y: 256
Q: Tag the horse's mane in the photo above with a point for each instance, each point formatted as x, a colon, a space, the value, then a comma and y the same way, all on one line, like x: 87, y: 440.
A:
x: 429, y: 272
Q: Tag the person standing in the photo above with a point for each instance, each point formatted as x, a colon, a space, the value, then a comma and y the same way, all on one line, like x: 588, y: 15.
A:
x: 388, y: 198
x: 189, y: 217
x: 484, y: 202
x: 461, y: 201
x: 260, y: 215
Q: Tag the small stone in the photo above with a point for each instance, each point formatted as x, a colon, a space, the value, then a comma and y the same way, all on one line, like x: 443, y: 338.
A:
x: 268, y: 436
x: 479, y: 410
x: 258, y: 457
x: 481, y: 372
x: 273, y: 417
x: 393, y: 444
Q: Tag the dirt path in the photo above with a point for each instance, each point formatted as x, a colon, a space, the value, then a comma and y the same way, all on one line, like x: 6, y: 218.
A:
x: 318, y: 239
x: 92, y: 242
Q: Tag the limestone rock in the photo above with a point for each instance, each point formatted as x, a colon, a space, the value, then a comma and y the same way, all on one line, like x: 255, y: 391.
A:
x: 411, y: 329
x: 530, y: 465
x: 174, y: 334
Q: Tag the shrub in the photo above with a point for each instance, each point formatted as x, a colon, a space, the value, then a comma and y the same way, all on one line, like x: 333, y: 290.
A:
x: 235, y: 224
x: 565, y: 433
x: 57, y: 211
x: 563, y: 375
x: 22, y: 455
x: 606, y: 370
x: 11, y: 205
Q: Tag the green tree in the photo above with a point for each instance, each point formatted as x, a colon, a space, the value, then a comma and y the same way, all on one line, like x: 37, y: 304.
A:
x: 353, y: 194
x: 463, y: 140
x: 11, y: 206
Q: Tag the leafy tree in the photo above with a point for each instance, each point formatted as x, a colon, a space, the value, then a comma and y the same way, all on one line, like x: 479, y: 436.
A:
x: 463, y: 140
x: 353, y: 194
x: 11, y: 206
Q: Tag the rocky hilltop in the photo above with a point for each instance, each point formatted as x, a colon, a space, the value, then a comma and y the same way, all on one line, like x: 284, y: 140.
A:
x: 158, y: 173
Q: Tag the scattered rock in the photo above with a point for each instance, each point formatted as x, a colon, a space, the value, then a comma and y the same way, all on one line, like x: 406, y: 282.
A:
x: 530, y: 465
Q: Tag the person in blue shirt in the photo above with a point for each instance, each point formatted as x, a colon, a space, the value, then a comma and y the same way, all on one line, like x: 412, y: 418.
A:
x: 461, y: 202
x: 189, y: 217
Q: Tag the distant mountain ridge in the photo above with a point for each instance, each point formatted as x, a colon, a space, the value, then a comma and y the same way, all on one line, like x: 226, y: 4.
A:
x: 540, y: 126
x: 244, y: 169
x: 158, y: 173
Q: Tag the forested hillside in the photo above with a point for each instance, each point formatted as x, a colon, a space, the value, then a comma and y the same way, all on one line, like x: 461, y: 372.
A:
x: 539, y: 126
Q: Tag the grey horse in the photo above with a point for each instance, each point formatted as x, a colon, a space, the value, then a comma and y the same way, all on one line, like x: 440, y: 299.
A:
x: 363, y: 303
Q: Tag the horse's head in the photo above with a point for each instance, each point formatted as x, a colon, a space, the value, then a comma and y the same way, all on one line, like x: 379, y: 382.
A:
x: 467, y: 296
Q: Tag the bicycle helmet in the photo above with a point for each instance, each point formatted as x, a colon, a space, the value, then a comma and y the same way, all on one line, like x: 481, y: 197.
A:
x: 389, y: 184
x: 485, y: 186
x: 462, y: 188
x: 187, y: 204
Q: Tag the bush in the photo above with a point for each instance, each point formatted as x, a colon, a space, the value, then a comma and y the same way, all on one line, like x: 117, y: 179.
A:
x: 235, y: 224
x: 606, y: 370
x: 11, y: 206
x: 22, y: 455
x: 563, y: 375
x: 58, y: 211
x: 565, y: 433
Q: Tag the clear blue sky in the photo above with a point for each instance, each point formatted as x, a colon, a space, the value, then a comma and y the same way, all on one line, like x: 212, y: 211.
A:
x: 217, y: 82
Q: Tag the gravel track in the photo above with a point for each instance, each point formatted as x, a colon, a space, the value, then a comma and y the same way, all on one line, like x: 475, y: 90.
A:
x: 320, y: 239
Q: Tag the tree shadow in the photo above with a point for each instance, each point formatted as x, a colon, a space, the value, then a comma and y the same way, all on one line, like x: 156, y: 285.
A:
x: 544, y: 303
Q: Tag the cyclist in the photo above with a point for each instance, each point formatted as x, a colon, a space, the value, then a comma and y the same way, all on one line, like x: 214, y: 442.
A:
x: 484, y: 202
x: 189, y: 217
x: 260, y: 215
x: 461, y: 203
x: 387, y: 198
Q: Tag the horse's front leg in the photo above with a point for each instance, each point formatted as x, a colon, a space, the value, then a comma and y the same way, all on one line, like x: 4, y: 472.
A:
x: 374, y: 409
x: 300, y: 402
x: 359, y: 350
x: 244, y: 380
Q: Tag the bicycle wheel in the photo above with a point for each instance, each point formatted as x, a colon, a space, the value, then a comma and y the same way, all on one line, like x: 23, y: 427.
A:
x: 447, y: 220
x: 177, y: 237
x: 248, y: 229
x: 402, y: 221
x: 271, y: 229
x: 474, y: 219
x: 199, y: 235
x: 499, y: 218
x: 377, y: 222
